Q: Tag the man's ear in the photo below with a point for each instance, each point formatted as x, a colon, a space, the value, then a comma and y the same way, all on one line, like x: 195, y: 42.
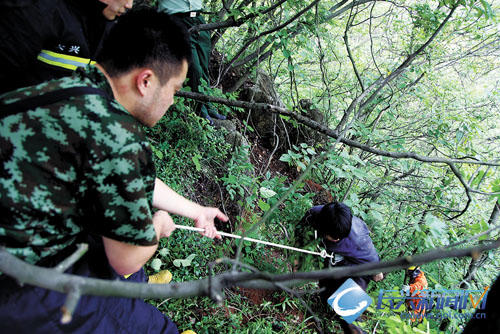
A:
x: 145, y: 81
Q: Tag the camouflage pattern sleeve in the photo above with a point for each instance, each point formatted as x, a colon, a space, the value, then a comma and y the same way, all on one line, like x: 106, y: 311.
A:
x: 79, y: 166
x: 119, y: 177
x: 121, y: 198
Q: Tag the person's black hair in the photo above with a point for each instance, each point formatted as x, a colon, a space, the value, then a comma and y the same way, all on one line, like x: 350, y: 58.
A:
x: 334, y: 220
x: 146, y: 38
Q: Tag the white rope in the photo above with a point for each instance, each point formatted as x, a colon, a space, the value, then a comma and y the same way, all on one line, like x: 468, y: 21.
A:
x: 323, y: 253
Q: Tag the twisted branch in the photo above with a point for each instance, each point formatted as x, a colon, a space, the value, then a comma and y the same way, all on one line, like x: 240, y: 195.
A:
x: 49, y: 278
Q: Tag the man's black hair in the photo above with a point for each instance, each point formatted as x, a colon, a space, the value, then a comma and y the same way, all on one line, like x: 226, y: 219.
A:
x: 335, y: 220
x: 146, y: 38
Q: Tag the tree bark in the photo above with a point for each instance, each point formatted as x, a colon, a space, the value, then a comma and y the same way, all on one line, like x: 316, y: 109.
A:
x: 475, y: 264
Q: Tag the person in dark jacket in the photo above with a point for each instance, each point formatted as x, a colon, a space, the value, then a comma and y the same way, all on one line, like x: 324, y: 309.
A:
x: 346, y: 237
x: 48, y: 39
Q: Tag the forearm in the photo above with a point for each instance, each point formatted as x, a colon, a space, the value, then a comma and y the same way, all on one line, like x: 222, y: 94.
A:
x: 165, y: 198
x: 127, y: 258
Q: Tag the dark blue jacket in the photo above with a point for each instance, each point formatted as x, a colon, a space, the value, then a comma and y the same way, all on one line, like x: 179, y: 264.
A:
x: 357, y: 247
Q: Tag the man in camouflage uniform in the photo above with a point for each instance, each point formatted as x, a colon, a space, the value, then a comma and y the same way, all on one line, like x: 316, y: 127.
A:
x: 78, y: 166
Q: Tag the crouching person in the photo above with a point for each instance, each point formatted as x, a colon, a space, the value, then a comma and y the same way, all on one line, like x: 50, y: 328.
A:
x: 75, y: 164
x: 348, y: 238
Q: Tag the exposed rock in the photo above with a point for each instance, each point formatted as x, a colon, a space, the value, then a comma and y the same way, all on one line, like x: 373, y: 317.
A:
x: 264, y: 122
x: 233, y: 136
x: 270, y: 127
x: 307, y: 134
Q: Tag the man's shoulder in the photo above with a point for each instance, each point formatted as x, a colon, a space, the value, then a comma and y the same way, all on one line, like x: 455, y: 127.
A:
x: 85, y: 112
x: 43, y: 88
x: 77, y: 92
x: 360, y: 233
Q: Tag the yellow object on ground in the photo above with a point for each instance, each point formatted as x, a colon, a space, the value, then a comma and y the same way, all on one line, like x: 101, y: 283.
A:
x: 162, y: 277
x: 189, y: 332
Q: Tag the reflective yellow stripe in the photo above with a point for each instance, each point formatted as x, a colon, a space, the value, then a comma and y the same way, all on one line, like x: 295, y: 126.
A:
x: 84, y: 61
x: 62, y: 60
x: 56, y: 63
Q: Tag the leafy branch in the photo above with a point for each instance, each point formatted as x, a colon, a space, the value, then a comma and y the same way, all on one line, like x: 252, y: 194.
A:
x: 233, y: 22
x: 382, y: 82
x: 350, y: 142
x: 270, y: 31
x: 332, y: 133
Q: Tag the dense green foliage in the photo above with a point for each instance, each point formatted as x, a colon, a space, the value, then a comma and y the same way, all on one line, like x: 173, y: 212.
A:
x: 444, y: 104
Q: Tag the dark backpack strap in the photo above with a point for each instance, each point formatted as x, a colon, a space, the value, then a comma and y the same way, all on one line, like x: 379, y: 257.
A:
x: 47, y: 99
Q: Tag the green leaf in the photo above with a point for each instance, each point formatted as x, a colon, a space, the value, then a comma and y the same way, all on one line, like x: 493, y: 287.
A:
x: 311, y: 151
x: 164, y: 252
x: 196, y: 161
x: 263, y: 205
x: 339, y: 172
x: 157, y: 152
x: 488, y: 11
x: 359, y: 173
x: 495, y: 187
x: 438, y: 229
x: 266, y: 193
x: 285, y: 158
x: 184, y: 262
x: 432, y: 279
x: 190, y: 258
x: 156, y: 264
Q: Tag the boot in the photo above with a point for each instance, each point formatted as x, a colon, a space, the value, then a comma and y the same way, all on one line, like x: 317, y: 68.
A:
x: 163, y: 277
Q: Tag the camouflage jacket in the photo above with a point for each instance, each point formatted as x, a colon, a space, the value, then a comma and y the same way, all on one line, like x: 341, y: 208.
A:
x: 81, y: 165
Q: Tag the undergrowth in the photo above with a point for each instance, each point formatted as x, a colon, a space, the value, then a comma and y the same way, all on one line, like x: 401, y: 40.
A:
x: 194, y: 159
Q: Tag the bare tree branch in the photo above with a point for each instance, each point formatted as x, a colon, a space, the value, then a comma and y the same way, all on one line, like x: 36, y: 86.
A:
x: 232, y: 22
x: 349, y: 53
x: 279, y: 27
x: 294, y: 32
x: 74, y: 294
x: 68, y: 262
x: 329, y: 132
x: 52, y: 279
x: 350, y: 142
x: 394, y: 74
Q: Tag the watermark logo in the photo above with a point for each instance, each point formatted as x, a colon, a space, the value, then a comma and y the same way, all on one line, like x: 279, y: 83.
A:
x: 437, y: 304
x: 457, y: 299
x: 349, y: 301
